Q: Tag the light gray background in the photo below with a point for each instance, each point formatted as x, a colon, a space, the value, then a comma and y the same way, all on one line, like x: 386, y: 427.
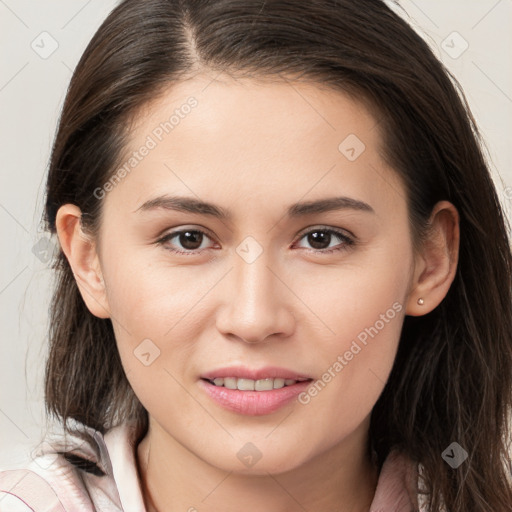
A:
x: 32, y: 88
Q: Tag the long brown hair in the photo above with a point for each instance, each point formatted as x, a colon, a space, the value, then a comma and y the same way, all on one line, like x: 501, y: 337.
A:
x: 452, y: 378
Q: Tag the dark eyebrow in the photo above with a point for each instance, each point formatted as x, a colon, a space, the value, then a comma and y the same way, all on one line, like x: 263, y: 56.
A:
x: 327, y: 205
x: 192, y: 205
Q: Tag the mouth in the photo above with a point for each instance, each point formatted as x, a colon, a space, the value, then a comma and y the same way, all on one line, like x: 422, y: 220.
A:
x: 253, y: 385
x: 253, y: 392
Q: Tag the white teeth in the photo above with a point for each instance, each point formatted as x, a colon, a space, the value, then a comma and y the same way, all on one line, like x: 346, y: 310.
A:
x: 230, y: 382
x: 253, y: 385
x: 264, y: 385
x: 278, y: 383
x: 245, y: 384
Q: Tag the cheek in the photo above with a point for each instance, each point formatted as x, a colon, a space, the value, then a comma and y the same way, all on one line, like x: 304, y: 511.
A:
x: 157, y: 314
x: 354, y: 372
x: 358, y: 300
x: 356, y: 356
x: 149, y: 298
x: 151, y: 331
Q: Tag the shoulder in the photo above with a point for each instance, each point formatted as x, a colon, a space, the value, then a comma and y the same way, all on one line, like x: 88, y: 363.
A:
x: 25, y: 490
x: 65, y: 474
x: 58, y: 488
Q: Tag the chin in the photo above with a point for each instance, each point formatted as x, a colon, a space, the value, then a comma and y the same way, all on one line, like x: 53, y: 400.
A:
x: 251, y: 461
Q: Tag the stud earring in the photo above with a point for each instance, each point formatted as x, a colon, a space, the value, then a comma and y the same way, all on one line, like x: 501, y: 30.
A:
x: 421, y: 301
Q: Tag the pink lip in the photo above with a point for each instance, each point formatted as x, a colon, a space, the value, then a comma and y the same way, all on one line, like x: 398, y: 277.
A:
x: 242, y: 372
x: 253, y: 403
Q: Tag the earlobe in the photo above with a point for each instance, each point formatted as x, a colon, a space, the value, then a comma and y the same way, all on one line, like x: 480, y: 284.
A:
x: 80, y: 251
x: 436, y: 266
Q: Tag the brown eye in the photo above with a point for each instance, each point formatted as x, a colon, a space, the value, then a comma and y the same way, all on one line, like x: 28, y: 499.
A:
x: 320, y: 239
x: 188, y: 241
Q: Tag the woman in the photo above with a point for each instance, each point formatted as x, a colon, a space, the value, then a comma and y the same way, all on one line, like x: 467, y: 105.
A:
x: 284, y: 279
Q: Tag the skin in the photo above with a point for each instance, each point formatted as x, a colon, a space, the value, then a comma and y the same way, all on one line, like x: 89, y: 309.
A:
x: 254, y: 148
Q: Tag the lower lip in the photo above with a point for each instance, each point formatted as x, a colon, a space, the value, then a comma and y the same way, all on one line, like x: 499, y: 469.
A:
x: 253, y: 403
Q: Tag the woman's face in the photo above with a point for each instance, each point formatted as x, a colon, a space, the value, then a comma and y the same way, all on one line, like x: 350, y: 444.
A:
x: 270, y: 283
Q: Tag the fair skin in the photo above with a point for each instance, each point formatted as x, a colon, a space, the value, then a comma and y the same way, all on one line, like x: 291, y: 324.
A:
x: 254, y: 149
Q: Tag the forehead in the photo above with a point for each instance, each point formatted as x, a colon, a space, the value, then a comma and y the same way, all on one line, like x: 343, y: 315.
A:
x: 242, y: 138
x: 245, y: 108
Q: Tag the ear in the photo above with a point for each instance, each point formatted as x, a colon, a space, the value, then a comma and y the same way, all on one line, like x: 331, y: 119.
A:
x: 436, y: 264
x: 80, y: 251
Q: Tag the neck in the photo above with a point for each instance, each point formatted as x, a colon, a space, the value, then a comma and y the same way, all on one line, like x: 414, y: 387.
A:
x: 173, y: 479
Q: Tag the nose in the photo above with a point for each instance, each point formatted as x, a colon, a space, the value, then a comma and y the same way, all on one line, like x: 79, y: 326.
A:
x: 257, y: 305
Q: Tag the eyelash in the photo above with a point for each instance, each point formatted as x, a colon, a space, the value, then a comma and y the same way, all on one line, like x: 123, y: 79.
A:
x: 347, y: 241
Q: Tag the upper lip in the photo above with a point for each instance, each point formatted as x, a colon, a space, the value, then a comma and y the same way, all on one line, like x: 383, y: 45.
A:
x: 242, y: 372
